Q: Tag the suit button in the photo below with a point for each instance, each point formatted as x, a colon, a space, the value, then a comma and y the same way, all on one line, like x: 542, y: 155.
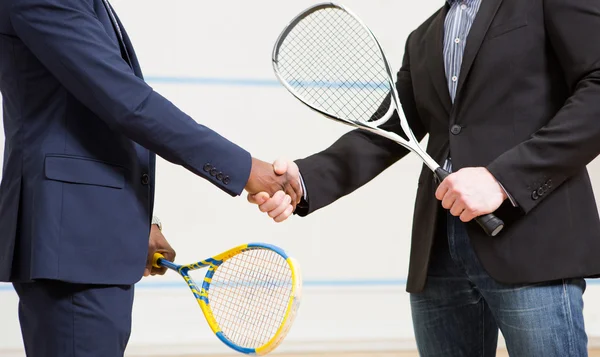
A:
x: 540, y: 192
x: 226, y: 180
x: 220, y: 176
x: 549, y: 183
x: 145, y: 179
x: 207, y: 167
x: 545, y: 187
x: 213, y: 172
x: 456, y: 129
x: 534, y: 195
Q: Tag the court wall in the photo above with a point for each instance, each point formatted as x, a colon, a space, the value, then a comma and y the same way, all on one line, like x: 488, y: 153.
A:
x: 213, y: 60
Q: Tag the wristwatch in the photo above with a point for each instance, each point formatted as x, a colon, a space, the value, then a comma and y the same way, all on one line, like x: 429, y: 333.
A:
x: 156, y: 221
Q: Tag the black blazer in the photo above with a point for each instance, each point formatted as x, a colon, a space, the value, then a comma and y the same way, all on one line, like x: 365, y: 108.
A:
x: 528, y: 109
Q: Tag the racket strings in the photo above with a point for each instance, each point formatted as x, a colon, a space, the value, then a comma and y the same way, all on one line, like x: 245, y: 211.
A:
x: 249, y: 295
x: 263, y: 332
x: 331, y: 60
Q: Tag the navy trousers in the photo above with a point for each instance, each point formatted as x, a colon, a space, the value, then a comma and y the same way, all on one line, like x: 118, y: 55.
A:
x: 60, y: 319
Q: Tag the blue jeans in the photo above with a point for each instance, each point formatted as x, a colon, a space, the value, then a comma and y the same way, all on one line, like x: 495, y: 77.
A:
x: 462, y: 308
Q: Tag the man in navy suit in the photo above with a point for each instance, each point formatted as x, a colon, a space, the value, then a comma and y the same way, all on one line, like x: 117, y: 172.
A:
x: 76, y: 199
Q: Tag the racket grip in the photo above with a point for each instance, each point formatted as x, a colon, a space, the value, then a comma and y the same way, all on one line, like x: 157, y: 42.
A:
x: 155, y: 260
x: 490, y: 224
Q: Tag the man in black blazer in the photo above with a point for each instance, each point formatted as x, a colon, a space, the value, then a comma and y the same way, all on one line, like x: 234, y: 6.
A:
x: 517, y: 119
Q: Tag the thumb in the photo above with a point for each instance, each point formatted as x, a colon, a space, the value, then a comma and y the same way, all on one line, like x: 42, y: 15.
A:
x: 258, y: 198
x: 280, y: 166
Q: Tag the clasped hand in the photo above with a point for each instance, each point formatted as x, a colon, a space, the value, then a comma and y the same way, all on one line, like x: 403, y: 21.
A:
x: 275, y: 188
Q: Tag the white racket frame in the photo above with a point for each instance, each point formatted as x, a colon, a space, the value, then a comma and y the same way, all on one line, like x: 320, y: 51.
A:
x: 412, y: 144
x: 490, y: 223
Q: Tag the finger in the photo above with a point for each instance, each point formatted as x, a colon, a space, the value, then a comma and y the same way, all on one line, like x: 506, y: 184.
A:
x: 281, y: 208
x: 158, y: 271
x: 442, y: 190
x: 169, y: 255
x: 285, y: 215
x: 457, y: 208
x: 448, y: 200
x: 273, y: 202
x: 146, y: 271
x: 280, y: 166
x: 291, y: 191
x: 467, y: 216
x: 258, y: 198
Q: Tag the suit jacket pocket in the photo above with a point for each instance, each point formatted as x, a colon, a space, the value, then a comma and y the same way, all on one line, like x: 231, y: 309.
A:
x: 81, y: 170
x: 513, y: 24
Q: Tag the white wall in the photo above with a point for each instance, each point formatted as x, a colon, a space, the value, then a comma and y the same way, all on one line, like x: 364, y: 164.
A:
x: 222, y: 49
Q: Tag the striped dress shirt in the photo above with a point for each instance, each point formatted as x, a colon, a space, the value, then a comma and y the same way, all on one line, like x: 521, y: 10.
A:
x: 457, y: 25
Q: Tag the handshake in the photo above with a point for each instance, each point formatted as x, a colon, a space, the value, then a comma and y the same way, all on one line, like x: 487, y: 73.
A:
x: 276, y: 188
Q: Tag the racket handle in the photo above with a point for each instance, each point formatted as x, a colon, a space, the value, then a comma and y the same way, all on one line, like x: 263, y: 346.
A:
x: 155, y: 260
x: 491, y: 224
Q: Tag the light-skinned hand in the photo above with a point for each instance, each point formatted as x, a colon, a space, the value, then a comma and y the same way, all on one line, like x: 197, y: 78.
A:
x: 470, y: 192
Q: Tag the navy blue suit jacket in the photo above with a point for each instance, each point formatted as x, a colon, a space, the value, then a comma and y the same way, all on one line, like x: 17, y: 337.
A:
x: 82, y: 128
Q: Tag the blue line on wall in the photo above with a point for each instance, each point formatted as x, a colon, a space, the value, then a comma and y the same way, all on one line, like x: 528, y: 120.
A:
x: 319, y: 283
x: 243, y: 82
x: 214, y: 81
x: 169, y: 285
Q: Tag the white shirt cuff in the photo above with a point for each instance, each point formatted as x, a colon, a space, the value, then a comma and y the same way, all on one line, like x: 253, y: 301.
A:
x: 512, y: 200
x: 304, y: 195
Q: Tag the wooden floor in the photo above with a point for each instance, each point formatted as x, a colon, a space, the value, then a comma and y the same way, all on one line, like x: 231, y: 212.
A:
x: 501, y: 353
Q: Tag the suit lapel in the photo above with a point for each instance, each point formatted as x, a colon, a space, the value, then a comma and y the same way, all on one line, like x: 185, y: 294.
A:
x: 435, y: 59
x: 482, y: 22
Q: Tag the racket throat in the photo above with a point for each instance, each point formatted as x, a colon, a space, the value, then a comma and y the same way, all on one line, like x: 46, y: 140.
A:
x: 440, y: 175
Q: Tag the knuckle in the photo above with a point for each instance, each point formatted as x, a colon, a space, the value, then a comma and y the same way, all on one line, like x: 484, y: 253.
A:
x: 466, y: 202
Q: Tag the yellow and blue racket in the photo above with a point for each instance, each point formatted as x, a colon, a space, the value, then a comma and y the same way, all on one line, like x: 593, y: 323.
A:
x: 249, y: 296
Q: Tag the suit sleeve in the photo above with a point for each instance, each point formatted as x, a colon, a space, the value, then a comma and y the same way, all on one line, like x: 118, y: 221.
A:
x: 358, y: 156
x: 70, y: 41
x: 571, y: 139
